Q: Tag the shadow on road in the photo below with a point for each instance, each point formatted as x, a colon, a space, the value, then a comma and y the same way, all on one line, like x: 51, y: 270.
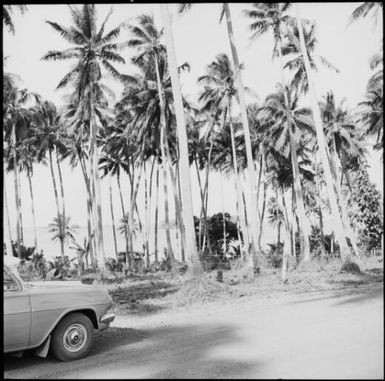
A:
x: 181, y: 351
x: 361, y: 298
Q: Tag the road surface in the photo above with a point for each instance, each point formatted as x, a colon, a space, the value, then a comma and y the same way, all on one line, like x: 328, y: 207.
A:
x: 319, y: 337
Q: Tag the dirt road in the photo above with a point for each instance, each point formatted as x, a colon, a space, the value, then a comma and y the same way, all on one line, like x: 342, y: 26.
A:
x: 306, y: 337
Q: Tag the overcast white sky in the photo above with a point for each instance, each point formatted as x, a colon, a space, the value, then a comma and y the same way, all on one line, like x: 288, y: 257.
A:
x: 198, y: 38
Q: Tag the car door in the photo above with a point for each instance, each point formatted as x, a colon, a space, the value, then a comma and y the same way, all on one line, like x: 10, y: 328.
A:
x: 17, y: 314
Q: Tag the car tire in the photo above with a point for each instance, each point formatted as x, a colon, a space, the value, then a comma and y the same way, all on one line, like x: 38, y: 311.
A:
x: 73, y: 337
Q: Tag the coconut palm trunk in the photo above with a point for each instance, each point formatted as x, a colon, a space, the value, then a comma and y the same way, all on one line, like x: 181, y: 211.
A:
x: 124, y: 216
x: 163, y: 137
x: 89, y: 212
x: 336, y: 217
x: 97, y: 211
x: 178, y: 208
x: 240, y: 214
x: 156, y: 215
x: 8, y: 239
x: 303, y: 221
x: 195, y: 267
x: 32, y: 204
x: 61, y: 228
x: 253, y: 210
x: 336, y: 167
x: 113, y: 222
x: 61, y: 185
x: 16, y: 174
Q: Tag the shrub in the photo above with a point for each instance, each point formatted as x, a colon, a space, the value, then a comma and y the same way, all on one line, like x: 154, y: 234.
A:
x: 275, y: 255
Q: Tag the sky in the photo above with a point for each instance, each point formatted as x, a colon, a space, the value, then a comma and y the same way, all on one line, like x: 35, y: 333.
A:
x: 198, y: 39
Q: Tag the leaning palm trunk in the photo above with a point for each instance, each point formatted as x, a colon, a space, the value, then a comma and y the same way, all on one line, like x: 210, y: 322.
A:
x: 335, y: 165
x: 195, y: 267
x: 16, y: 174
x: 336, y: 217
x: 32, y: 205
x: 223, y: 217
x: 113, y: 222
x: 250, y: 162
x: 61, y: 228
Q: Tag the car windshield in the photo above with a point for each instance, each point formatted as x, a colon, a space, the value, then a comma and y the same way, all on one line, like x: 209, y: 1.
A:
x: 13, y: 268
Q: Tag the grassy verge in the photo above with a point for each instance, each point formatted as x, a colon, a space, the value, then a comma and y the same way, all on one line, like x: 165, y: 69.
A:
x: 148, y: 294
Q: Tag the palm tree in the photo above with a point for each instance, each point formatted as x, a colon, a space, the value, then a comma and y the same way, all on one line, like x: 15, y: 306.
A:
x: 46, y: 138
x: 373, y: 7
x: 286, y: 121
x: 336, y: 216
x: 370, y: 112
x: 146, y: 40
x: 16, y: 119
x: 92, y: 49
x: 291, y: 48
x: 62, y: 231
x: 7, y: 19
x: 275, y: 217
x: 253, y: 210
x: 342, y: 139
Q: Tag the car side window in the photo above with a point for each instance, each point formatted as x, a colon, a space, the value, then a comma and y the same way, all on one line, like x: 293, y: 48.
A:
x: 9, y: 283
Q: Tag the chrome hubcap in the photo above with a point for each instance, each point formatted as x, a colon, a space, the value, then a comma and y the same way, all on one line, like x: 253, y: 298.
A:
x: 74, y: 337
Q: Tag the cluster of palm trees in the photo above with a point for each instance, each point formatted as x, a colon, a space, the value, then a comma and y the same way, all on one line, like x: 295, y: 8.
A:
x: 307, y: 156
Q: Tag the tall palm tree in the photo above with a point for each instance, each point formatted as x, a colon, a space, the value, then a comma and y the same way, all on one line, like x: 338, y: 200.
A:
x: 287, y: 120
x: 7, y: 19
x: 93, y: 50
x: 17, y: 120
x: 46, y: 139
x: 146, y: 40
x: 253, y: 210
x: 342, y: 139
x: 336, y: 216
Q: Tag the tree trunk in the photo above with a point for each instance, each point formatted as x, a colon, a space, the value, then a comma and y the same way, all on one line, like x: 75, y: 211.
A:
x: 223, y: 218
x: 61, y: 228
x: 178, y: 210
x: 16, y: 174
x: 336, y: 217
x: 156, y: 215
x: 61, y: 185
x: 8, y: 240
x: 195, y: 267
x: 163, y: 137
x: 32, y: 205
x: 240, y: 218
x: 300, y: 208
x: 125, y: 218
x: 336, y: 166
x: 96, y: 185
x: 89, y: 213
x: 149, y: 211
x: 113, y: 223
x: 250, y: 162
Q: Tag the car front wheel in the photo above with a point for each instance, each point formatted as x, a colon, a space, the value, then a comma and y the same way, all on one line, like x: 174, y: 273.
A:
x: 73, y: 337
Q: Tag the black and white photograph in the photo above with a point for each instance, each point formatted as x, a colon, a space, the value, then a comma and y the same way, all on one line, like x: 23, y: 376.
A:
x: 193, y: 190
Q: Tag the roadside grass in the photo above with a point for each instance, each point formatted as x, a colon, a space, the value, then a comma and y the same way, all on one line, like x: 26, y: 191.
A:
x: 151, y: 293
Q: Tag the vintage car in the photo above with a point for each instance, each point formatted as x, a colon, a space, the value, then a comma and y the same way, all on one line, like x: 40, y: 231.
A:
x: 56, y: 315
